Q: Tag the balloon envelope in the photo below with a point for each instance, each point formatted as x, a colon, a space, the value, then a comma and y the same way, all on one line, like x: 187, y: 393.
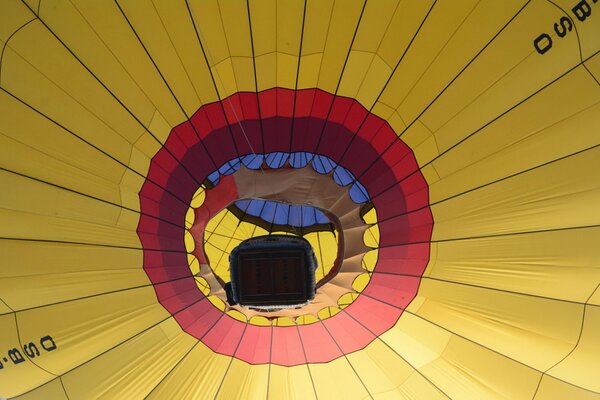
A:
x: 441, y: 157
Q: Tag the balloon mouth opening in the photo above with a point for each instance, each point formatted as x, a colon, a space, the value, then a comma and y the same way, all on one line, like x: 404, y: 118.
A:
x: 306, y: 205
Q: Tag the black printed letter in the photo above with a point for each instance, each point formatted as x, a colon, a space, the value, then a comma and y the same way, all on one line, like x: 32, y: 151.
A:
x: 546, y: 47
x: 44, y: 342
x: 31, y: 350
x: 565, y: 24
x: 582, y: 10
x: 16, y: 356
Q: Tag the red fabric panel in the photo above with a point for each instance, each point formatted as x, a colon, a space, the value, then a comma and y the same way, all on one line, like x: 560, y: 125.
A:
x: 202, y: 317
x: 178, y: 294
x: 318, y: 344
x: 397, y: 290
x: 409, y: 259
x: 225, y: 335
x: 287, y: 348
x: 375, y: 315
x: 255, y: 346
x: 347, y: 333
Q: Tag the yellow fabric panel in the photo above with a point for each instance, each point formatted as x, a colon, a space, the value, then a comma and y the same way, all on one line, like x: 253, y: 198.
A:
x: 381, y: 369
x: 290, y: 383
x: 53, y: 154
x: 556, y: 264
x: 466, y: 370
x: 244, y: 381
x: 289, y: 31
x: 215, y: 38
x: 4, y: 308
x: 418, y: 342
x: 559, y: 195
x: 52, y: 390
x: 593, y: 67
x: 405, y: 21
x: 23, y: 376
x: 364, y: 68
x: 197, y: 376
x: 416, y: 387
x: 595, y: 298
x: 46, y: 169
x: 344, y: 20
x: 505, y: 73
x: 263, y: 17
x: 83, y: 329
x: 503, y: 321
x: 101, y: 38
x: 557, y: 122
x: 226, y: 44
x: 159, y: 43
x: 38, y: 69
x: 28, y: 195
x: 182, y: 37
x: 129, y: 183
x: 316, y: 28
x: 581, y: 366
x: 452, y: 35
x: 287, y: 67
x: 37, y: 273
x: 13, y: 15
x: 146, y: 358
x: 337, y: 380
x: 26, y: 225
x: 234, y: 18
x: 554, y: 389
x: 80, y: 31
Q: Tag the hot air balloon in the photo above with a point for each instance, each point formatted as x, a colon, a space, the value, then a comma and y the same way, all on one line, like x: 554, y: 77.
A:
x: 438, y: 160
